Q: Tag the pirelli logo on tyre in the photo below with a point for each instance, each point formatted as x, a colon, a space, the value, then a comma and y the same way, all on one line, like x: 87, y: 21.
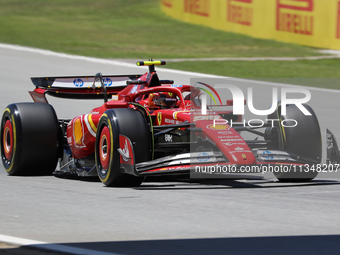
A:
x: 240, y: 12
x: 295, y: 16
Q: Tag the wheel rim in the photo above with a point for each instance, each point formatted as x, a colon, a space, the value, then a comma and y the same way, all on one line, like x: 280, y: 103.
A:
x: 8, y: 140
x: 105, y: 149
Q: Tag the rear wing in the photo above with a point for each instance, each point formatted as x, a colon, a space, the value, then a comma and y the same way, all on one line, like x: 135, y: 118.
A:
x: 79, y: 87
x: 94, y: 87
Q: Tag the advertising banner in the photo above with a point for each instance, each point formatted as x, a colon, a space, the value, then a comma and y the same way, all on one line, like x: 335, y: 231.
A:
x: 314, y: 23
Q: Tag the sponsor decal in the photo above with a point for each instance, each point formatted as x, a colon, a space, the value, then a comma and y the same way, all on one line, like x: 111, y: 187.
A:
x: 134, y: 89
x: 240, y: 12
x: 169, y: 121
x: 168, y: 138
x: 230, y: 144
x: 203, y: 157
x: 198, y: 7
x: 338, y: 22
x: 295, y: 16
x: 176, y: 86
x: 170, y: 168
x: 232, y: 152
x: 267, y: 155
x: 69, y: 140
x: 107, y: 82
x: 218, y: 127
x: 225, y: 132
x: 239, y: 149
x: 78, y: 82
x: 178, y: 167
x: 159, y: 118
x: 78, y: 132
x: 206, y: 117
x: 231, y: 140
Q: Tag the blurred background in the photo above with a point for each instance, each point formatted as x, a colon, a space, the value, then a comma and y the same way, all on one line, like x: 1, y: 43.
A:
x: 191, y: 35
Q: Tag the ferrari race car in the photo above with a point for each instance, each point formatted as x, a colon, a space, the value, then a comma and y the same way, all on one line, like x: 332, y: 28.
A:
x: 149, y: 127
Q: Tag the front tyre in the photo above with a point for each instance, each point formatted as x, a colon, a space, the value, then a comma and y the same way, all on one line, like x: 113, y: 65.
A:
x: 29, y: 139
x: 303, y: 140
x: 115, y: 122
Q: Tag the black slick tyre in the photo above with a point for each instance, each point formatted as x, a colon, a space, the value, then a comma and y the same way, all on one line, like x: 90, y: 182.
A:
x: 303, y: 140
x: 29, y: 139
x: 115, y: 122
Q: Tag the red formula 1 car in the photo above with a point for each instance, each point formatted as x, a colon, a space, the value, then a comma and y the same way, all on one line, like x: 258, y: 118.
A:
x: 149, y: 127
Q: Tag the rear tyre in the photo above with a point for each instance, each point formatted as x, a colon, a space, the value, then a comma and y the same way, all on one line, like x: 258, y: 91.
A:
x: 303, y: 140
x: 115, y: 122
x: 29, y: 139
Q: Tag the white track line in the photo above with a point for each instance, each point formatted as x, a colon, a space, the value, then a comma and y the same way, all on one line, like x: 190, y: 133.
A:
x: 121, y: 63
x: 50, y: 246
x: 93, y: 60
x: 174, y: 60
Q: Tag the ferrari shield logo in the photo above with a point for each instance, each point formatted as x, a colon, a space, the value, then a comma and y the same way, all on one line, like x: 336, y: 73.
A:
x: 218, y: 127
x: 159, y: 118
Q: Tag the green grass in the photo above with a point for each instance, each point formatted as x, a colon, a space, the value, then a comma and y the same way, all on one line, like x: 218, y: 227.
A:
x: 318, y: 73
x: 124, y: 29
x: 323, y: 68
x: 138, y: 29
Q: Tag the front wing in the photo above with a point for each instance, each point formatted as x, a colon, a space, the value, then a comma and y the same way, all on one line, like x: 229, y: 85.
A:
x: 214, y: 162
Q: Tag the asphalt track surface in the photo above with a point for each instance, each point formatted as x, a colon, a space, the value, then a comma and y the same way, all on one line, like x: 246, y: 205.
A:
x: 254, y: 214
